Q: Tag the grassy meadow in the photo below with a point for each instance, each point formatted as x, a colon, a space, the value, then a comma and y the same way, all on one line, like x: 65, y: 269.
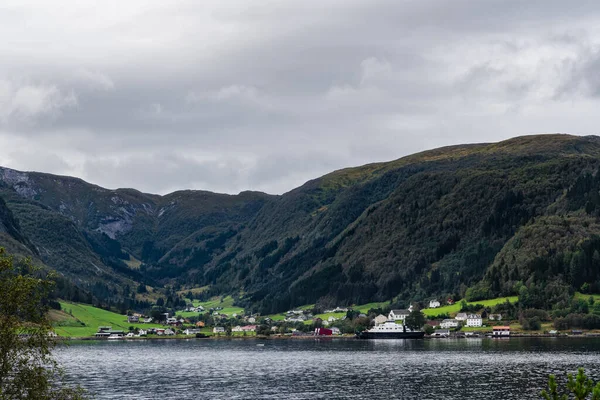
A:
x: 455, y: 308
x: 80, y: 320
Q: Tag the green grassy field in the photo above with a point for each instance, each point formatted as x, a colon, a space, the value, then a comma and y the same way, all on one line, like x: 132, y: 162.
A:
x: 79, y: 320
x: 455, y: 308
x: 579, y: 295
x: 225, y: 302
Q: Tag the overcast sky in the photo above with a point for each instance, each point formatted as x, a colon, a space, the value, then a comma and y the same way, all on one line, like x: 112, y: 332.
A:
x: 265, y: 95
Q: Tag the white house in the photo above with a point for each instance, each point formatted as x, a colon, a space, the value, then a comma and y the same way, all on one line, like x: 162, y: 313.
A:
x: 331, y: 319
x: 495, y: 317
x: 251, y: 320
x: 142, y: 332
x: 398, y: 315
x: 218, y: 329
x: 434, y: 304
x: 335, y: 331
x: 249, y: 328
x: 441, y: 333
x: 461, y: 316
x: 501, y: 331
x: 191, y: 331
x: 474, y: 320
x: 449, y: 323
x: 380, y: 319
x: 169, y: 332
x: 237, y: 329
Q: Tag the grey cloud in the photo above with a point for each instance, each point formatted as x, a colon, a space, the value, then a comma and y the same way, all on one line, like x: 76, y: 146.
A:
x: 265, y: 95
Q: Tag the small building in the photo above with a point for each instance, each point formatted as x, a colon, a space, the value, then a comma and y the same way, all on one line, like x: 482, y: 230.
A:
x: 434, y: 304
x: 336, y: 331
x: 133, y: 319
x: 461, y: 316
x: 200, y: 324
x: 249, y: 328
x: 218, y: 329
x: 380, y: 319
x: 236, y: 329
x: 332, y: 319
x: 169, y: 332
x: 106, y: 331
x: 441, y: 333
x: 474, y: 320
x: 450, y: 324
x: 398, y: 315
x: 251, y: 320
x: 495, y: 317
x: 499, y: 331
x: 148, y: 320
x: 450, y: 301
x: 189, y: 332
x: 142, y: 332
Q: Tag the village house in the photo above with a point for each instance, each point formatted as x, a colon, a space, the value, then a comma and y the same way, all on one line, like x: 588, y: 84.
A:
x: 173, y: 321
x: 236, y: 329
x: 495, y: 317
x: 200, y: 324
x: 380, y: 319
x: 169, y: 332
x: 449, y: 301
x: 191, y: 331
x: 474, y: 320
x: 133, y: 319
x: 249, y: 328
x: 501, y: 331
x: 461, y: 316
x: 148, y: 320
x: 434, y: 304
x: 335, y: 331
x: 218, y: 329
x: 106, y: 331
x: 332, y: 319
x: 142, y: 332
x: 251, y: 320
x: 398, y: 315
x: 449, y: 324
x: 441, y: 333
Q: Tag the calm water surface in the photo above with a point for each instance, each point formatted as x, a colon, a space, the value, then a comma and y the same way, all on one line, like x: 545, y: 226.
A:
x: 325, y: 369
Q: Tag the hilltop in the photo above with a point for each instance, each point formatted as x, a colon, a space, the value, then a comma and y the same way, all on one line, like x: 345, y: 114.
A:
x: 476, y: 220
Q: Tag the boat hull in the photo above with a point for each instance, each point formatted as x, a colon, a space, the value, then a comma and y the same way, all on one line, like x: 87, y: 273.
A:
x: 390, y: 335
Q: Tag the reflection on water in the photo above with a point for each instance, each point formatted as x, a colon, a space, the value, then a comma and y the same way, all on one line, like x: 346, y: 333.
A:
x: 325, y: 369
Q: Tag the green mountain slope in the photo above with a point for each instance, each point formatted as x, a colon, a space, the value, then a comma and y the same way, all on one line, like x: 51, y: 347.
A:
x: 473, y: 220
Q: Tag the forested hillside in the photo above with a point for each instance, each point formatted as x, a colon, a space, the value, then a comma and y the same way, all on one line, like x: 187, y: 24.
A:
x: 476, y: 221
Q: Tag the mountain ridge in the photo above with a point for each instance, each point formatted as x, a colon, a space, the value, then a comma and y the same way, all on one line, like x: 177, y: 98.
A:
x: 428, y: 224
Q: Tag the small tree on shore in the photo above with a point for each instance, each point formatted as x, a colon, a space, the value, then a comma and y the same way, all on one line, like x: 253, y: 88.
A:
x: 27, y: 369
x: 415, y: 320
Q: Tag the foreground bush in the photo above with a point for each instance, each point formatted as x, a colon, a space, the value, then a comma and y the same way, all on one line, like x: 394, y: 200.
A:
x: 27, y: 369
x: 580, y: 387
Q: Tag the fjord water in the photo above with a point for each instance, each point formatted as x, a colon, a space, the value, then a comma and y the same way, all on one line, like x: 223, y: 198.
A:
x: 514, y: 368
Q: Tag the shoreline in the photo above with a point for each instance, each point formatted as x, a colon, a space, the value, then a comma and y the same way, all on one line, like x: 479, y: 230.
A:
x: 346, y: 337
